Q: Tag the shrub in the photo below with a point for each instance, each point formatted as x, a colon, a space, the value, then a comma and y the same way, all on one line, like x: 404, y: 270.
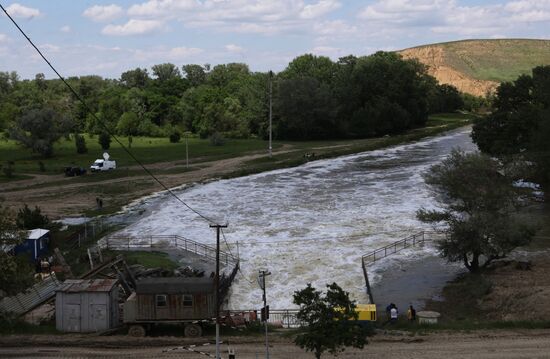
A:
x: 80, y: 144
x: 8, y: 169
x: 217, y: 139
x: 104, y: 140
x: 41, y: 166
x: 175, y: 137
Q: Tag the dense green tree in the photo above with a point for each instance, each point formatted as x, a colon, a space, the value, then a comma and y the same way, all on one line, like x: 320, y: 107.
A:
x: 329, y: 320
x: 104, y: 140
x: 80, y: 144
x: 195, y: 74
x: 135, y: 78
x: 128, y: 124
x: 479, y: 200
x: 518, y: 127
x: 39, y: 129
x: 16, y: 274
x: 305, y: 110
x: 320, y: 68
x: 166, y: 71
x: 32, y: 218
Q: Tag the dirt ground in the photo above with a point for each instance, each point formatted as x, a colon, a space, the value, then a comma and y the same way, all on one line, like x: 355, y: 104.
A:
x: 478, y: 344
x: 69, y: 198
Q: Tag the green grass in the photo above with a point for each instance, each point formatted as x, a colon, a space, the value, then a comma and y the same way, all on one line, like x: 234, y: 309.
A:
x: 148, y: 259
x: 496, y: 60
x: 147, y: 149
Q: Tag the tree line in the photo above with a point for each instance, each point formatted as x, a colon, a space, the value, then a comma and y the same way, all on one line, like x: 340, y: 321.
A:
x: 313, y: 98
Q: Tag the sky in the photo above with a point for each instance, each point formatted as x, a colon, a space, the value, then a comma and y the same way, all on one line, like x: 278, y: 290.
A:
x: 107, y: 38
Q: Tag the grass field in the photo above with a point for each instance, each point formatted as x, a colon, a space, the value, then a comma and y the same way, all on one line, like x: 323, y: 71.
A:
x: 147, y: 149
x: 151, y: 150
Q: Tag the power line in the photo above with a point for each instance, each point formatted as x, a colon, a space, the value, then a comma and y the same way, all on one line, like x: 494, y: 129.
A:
x: 105, y: 128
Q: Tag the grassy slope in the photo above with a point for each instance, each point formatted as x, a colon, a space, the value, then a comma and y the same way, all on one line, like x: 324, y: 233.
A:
x: 496, y: 60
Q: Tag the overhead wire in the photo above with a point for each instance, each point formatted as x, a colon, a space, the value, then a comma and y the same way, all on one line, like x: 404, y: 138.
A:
x: 229, y: 249
x: 104, y: 127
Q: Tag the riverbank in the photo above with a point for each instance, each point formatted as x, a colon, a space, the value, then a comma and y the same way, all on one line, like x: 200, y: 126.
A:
x: 60, y: 197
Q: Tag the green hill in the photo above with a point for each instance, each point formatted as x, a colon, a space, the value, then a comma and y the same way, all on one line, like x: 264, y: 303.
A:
x: 486, y: 61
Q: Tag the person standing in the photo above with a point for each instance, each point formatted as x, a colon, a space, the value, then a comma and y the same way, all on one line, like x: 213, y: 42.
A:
x: 411, y: 313
x: 393, y: 314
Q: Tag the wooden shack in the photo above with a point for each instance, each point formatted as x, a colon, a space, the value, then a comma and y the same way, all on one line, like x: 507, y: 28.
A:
x: 171, y: 299
x: 87, y: 305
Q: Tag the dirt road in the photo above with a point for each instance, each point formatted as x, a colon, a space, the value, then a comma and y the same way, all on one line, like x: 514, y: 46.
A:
x: 478, y: 344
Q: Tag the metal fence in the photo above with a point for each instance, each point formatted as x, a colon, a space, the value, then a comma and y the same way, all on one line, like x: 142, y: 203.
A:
x: 287, y: 318
x: 160, y: 242
x: 416, y: 239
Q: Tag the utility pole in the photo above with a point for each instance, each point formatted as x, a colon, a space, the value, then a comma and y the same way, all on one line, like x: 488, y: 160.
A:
x: 261, y: 281
x: 270, y: 111
x: 217, y: 284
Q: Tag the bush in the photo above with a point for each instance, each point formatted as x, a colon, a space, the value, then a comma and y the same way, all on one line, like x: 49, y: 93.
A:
x: 80, y: 144
x: 217, y: 139
x: 104, y: 140
x: 41, y: 166
x: 8, y: 169
x: 175, y: 137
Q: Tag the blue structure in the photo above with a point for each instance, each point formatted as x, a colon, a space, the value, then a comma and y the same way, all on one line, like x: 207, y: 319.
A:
x: 35, y: 245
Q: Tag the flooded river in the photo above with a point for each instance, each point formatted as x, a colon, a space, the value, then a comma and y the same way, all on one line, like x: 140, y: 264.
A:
x: 310, y: 223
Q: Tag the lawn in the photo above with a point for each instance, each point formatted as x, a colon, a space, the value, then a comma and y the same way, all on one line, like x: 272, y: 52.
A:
x: 146, y: 149
x: 152, y: 150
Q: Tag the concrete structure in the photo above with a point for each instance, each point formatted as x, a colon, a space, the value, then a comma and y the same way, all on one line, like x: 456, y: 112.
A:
x: 427, y: 317
x: 87, y: 305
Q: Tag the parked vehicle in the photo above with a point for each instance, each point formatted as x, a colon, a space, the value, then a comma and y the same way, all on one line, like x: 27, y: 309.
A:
x: 74, y: 171
x: 103, y: 164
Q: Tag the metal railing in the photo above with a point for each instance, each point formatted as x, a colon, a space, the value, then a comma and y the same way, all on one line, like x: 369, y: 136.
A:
x: 287, y: 318
x: 411, y: 241
x: 414, y: 240
x: 160, y: 242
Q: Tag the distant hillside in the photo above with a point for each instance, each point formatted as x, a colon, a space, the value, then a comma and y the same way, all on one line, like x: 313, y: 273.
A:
x: 478, y: 66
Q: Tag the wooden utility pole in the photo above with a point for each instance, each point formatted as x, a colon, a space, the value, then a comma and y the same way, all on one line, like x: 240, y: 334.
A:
x: 217, y: 284
x: 265, y: 317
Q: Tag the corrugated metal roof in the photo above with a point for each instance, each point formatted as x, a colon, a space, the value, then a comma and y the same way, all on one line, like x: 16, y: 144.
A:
x: 38, y: 293
x: 174, y: 285
x: 37, y: 233
x: 88, y: 285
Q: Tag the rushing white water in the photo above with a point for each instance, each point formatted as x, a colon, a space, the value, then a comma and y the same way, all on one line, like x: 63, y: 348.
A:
x: 312, y: 223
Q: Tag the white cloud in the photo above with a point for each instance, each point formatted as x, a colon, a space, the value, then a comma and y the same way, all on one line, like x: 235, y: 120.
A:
x: 133, y: 27
x: 50, y: 47
x: 180, y: 53
x: 319, y: 9
x: 100, y: 13
x: 329, y: 51
x: 233, y: 48
x: 243, y: 16
x: 23, y: 12
x: 65, y: 28
x: 4, y: 38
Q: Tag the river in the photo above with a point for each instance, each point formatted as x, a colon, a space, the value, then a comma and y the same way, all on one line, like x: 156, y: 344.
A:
x: 311, y: 224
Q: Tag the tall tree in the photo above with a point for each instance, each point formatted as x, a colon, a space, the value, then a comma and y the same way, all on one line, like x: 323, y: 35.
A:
x: 329, y: 321
x: 166, y: 71
x: 479, y: 201
x: 39, y: 129
x: 518, y: 128
x: 195, y: 74
x: 135, y: 78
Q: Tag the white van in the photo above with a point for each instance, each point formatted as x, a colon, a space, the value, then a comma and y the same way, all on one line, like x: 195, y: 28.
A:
x: 103, y: 164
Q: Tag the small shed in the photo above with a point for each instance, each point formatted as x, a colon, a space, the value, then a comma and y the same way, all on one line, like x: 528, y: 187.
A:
x: 87, y: 305
x: 36, y: 243
x: 171, y: 299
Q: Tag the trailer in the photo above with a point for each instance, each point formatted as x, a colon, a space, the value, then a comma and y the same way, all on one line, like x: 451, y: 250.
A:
x: 174, y: 300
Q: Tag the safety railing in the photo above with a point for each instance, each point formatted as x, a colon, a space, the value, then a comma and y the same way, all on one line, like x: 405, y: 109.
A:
x: 160, y: 242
